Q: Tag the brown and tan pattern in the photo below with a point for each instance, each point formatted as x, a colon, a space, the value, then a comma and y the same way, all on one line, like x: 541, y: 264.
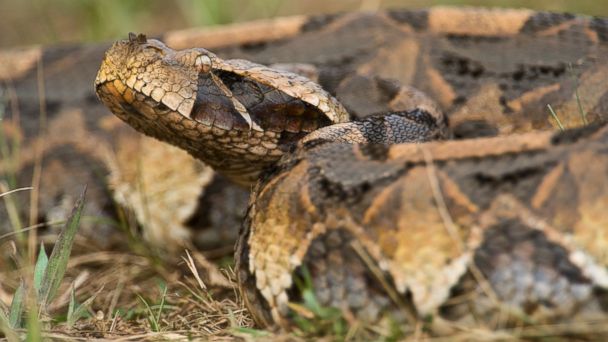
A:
x: 501, y: 229
x: 462, y: 231
x: 235, y: 115
x: 486, y: 85
x: 492, y: 72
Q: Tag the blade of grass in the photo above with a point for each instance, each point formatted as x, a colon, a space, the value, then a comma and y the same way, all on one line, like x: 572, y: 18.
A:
x: 578, y: 98
x: 246, y: 332
x: 34, y: 325
x: 162, y: 302
x: 37, y: 170
x: 190, y: 263
x: 72, y: 304
x: 12, y: 212
x: 41, y: 265
x: 58, y: 260
x: 36, y: 226
x: 16, y: 190
x: 151, y: 317
x: 75, y: 312
x: 17, y: 308
x: 559, y: 123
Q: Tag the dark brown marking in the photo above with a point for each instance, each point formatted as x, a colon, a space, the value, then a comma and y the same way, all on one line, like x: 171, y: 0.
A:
x: 541, y: 21
x: 418, y: 19
x: 272, y: 108
x: 212, y: 105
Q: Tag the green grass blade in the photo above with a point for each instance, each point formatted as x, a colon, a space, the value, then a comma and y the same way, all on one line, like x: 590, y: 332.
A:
x: 17, y: 307
x: 151, y: 317
x: 578, y: 98
x: 41, y: 265
x: 75, y: 311
x: 559, y: 123
x: 58, y: 260
x: 34, y: 325
x: 162, y: 301
x: 251, y: 332
x: 71, y: 307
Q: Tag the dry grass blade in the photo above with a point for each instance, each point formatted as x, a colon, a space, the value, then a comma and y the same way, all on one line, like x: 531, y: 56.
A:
x: 407, y: 308
x: 58, y: 260
x: 36, y: 226
x: 15, y: 190
x: 581, y: 111
x: 452, y: 229
x: 192, y: 267
x: 37, y: 170
x: 11, y: 209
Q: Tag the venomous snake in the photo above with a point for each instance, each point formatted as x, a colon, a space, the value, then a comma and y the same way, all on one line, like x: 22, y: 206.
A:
x: 356, y: 215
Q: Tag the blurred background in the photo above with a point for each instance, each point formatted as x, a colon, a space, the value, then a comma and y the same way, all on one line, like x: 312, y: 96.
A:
x: 26, y: 22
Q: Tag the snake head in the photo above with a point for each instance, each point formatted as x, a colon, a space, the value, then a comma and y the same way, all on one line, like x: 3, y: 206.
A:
x: 235, y: 115
x: 142, y: 66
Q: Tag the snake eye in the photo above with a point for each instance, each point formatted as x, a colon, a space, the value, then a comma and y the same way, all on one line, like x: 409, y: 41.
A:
x: 203, y: 62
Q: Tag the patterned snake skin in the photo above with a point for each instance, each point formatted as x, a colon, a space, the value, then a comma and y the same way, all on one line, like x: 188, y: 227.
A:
x: 507, y: 229
x: 237, y: 116
x: 512, y: 221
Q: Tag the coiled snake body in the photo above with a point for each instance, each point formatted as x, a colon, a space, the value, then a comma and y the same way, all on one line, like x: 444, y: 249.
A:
x: 466, y: 231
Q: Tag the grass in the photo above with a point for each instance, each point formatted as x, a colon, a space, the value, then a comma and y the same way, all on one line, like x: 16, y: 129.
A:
x: 556, y: 118
x: 154, y: 317
x: 80, y: 291
x: 310, y: 317
x: 38, y: 289
x: 579, y: 104
x: 122, y: 294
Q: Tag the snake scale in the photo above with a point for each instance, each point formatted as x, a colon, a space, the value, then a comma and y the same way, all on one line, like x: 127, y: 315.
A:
x: 508, y: 217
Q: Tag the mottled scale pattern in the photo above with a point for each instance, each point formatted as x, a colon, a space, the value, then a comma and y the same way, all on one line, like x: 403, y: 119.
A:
x: 341, y: 278
x: 491, y: 71
x: 505, y: 256
x: 388, y: 129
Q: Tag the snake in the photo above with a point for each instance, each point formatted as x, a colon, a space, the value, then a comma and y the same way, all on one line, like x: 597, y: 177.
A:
x: 505, y: 218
